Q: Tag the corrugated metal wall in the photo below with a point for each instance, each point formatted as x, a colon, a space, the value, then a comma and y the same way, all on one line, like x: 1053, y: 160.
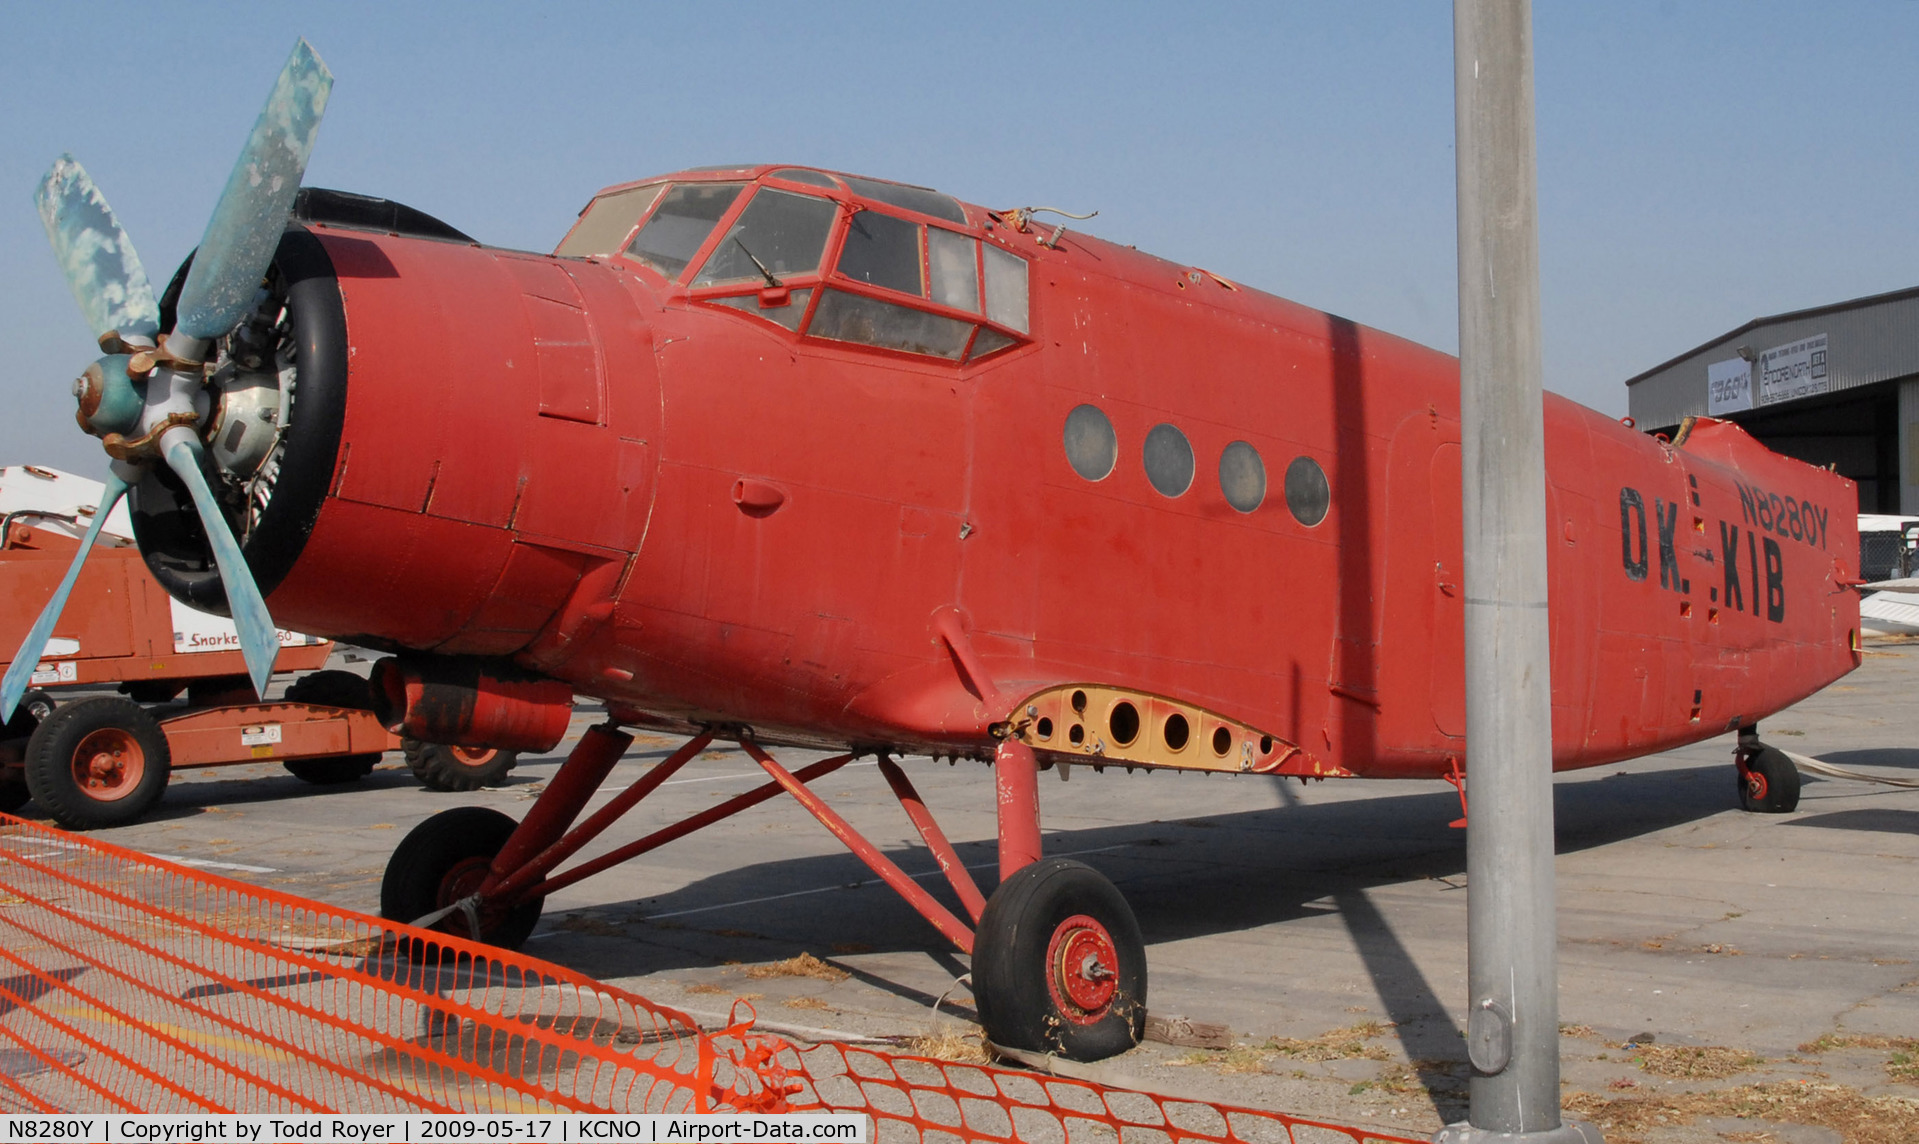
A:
x: 1869, y: 340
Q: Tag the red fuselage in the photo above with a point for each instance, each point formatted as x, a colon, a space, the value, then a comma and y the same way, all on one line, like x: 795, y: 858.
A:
x: 689, y: 509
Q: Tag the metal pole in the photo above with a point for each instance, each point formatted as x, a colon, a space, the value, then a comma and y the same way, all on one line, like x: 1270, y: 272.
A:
x: 1512, y: 972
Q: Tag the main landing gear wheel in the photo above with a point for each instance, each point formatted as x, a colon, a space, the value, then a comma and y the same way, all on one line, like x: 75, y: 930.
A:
x: 444, y: 860
x: 1768, y: 782
x: 1059, y: 965
x: 332, y: 689
x: 97, y: 762
x: 443, y: 767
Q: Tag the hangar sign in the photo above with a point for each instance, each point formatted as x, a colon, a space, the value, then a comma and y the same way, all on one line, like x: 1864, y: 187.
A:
x: 1728, y: 386
x: 1796, y: 369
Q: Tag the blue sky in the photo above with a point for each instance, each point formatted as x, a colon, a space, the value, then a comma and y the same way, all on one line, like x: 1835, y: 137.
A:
x: 1700, y: 163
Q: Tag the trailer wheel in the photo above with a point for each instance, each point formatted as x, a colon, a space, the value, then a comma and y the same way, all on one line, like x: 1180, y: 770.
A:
x: 1768, y: 782
x: 332, y: 689
x: 444, y: 767
x: 97, y: 762
x: 445, y: 859
x: 1059, y: 965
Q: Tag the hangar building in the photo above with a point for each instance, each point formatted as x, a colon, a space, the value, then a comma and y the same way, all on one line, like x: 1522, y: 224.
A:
x: 1834, y: 385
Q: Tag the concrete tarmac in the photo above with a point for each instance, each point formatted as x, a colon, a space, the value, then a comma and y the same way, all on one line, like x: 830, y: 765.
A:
x: 1323, y: 924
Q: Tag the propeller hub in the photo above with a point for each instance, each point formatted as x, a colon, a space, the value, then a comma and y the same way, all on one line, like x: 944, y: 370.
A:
x: 109, y: 398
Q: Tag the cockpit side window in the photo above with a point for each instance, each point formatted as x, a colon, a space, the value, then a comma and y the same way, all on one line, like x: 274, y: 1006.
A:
x: 681, y: 223
x: 881, y: 250
x: 1006, y: 295
x: 606, y: 222
x: 786, y: 233
x: 952, y: 262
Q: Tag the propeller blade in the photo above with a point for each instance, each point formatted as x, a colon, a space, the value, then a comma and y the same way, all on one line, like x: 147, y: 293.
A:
x: 246, y: 225
x: 259, y: 641
x: 20, y: 672
x: 98, y: 259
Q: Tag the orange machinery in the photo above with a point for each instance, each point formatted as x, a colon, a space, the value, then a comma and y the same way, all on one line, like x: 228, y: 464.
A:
x: 104, y: 760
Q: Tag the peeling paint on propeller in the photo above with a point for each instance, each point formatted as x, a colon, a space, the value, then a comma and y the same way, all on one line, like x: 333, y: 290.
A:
x: 147, y: 397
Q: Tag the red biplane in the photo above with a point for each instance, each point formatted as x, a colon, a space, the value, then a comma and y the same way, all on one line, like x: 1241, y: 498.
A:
x: 795, y: 457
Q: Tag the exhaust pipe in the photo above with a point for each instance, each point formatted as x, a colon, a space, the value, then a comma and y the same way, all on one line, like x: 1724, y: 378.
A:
x: 468, y: 702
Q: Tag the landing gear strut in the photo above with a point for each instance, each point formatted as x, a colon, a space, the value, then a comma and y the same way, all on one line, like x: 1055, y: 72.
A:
x: 1058, y: 962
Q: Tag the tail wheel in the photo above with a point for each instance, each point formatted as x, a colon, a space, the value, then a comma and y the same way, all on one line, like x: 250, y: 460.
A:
x: 1768, y: 782
x: 1059, y: 965
x: 444, y: 767
x: 445, y: 860
x: 97, y: 762
x: 332, y: 689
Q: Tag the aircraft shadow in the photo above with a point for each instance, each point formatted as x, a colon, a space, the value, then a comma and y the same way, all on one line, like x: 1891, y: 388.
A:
x: 1907, y: 757
x: 1184, y: 878
x: 1880, y: 820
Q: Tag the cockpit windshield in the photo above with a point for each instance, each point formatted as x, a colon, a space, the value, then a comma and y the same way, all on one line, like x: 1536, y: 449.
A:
x: 778, y: 234
x: 684, y: 218
x: 606, y: 222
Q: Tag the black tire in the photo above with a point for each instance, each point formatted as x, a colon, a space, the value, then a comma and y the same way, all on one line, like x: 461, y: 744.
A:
x: 14, y: 737
x: 1769, y: 783
x: 332, y: 689
x: 441, y: 861
x: 98, y: 762
x: 441, y: 767
x: 38, y: 703
x: 1036, y: 925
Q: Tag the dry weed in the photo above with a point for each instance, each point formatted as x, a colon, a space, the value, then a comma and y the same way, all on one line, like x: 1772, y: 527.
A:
x: 704, y: 988
x: 805, y: 965
x: 1334, y: 1044
x: 1902, y: 1065
x: 1694, y: 1062
x: 1858, y: 1118
x: 947, y: 1043
x: 1857, y: 1041
x: 806, y: 1003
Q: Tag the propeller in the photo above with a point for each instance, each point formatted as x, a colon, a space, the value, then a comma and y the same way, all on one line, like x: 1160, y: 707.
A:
x: 147, y: 398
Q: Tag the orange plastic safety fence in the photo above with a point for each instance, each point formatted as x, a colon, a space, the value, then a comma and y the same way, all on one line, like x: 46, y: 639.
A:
x: 921, y: 1101
x: 935, y: 1102
x: 131, y: 984
x: 128, y: 983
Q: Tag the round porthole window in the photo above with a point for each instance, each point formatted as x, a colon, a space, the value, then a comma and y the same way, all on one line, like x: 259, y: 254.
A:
x: 1307, y: 492
x: 1091, y: 446
x: 1242, y: 476
x: 1169, y: 460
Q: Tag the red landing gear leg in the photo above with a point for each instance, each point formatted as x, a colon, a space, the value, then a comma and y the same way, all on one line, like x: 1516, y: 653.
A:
x: 442, y: 872
x: 566, y: 794
x: 1016, y: 776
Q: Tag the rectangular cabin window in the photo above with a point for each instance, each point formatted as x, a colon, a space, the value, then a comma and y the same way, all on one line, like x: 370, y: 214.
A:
x: 685, y: 217
x: 952, y: 262
x: 606, y: 222
x: 881, y: 250
x: 1006, y: 298
x: 786, y: 233
x: 845, y: 317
